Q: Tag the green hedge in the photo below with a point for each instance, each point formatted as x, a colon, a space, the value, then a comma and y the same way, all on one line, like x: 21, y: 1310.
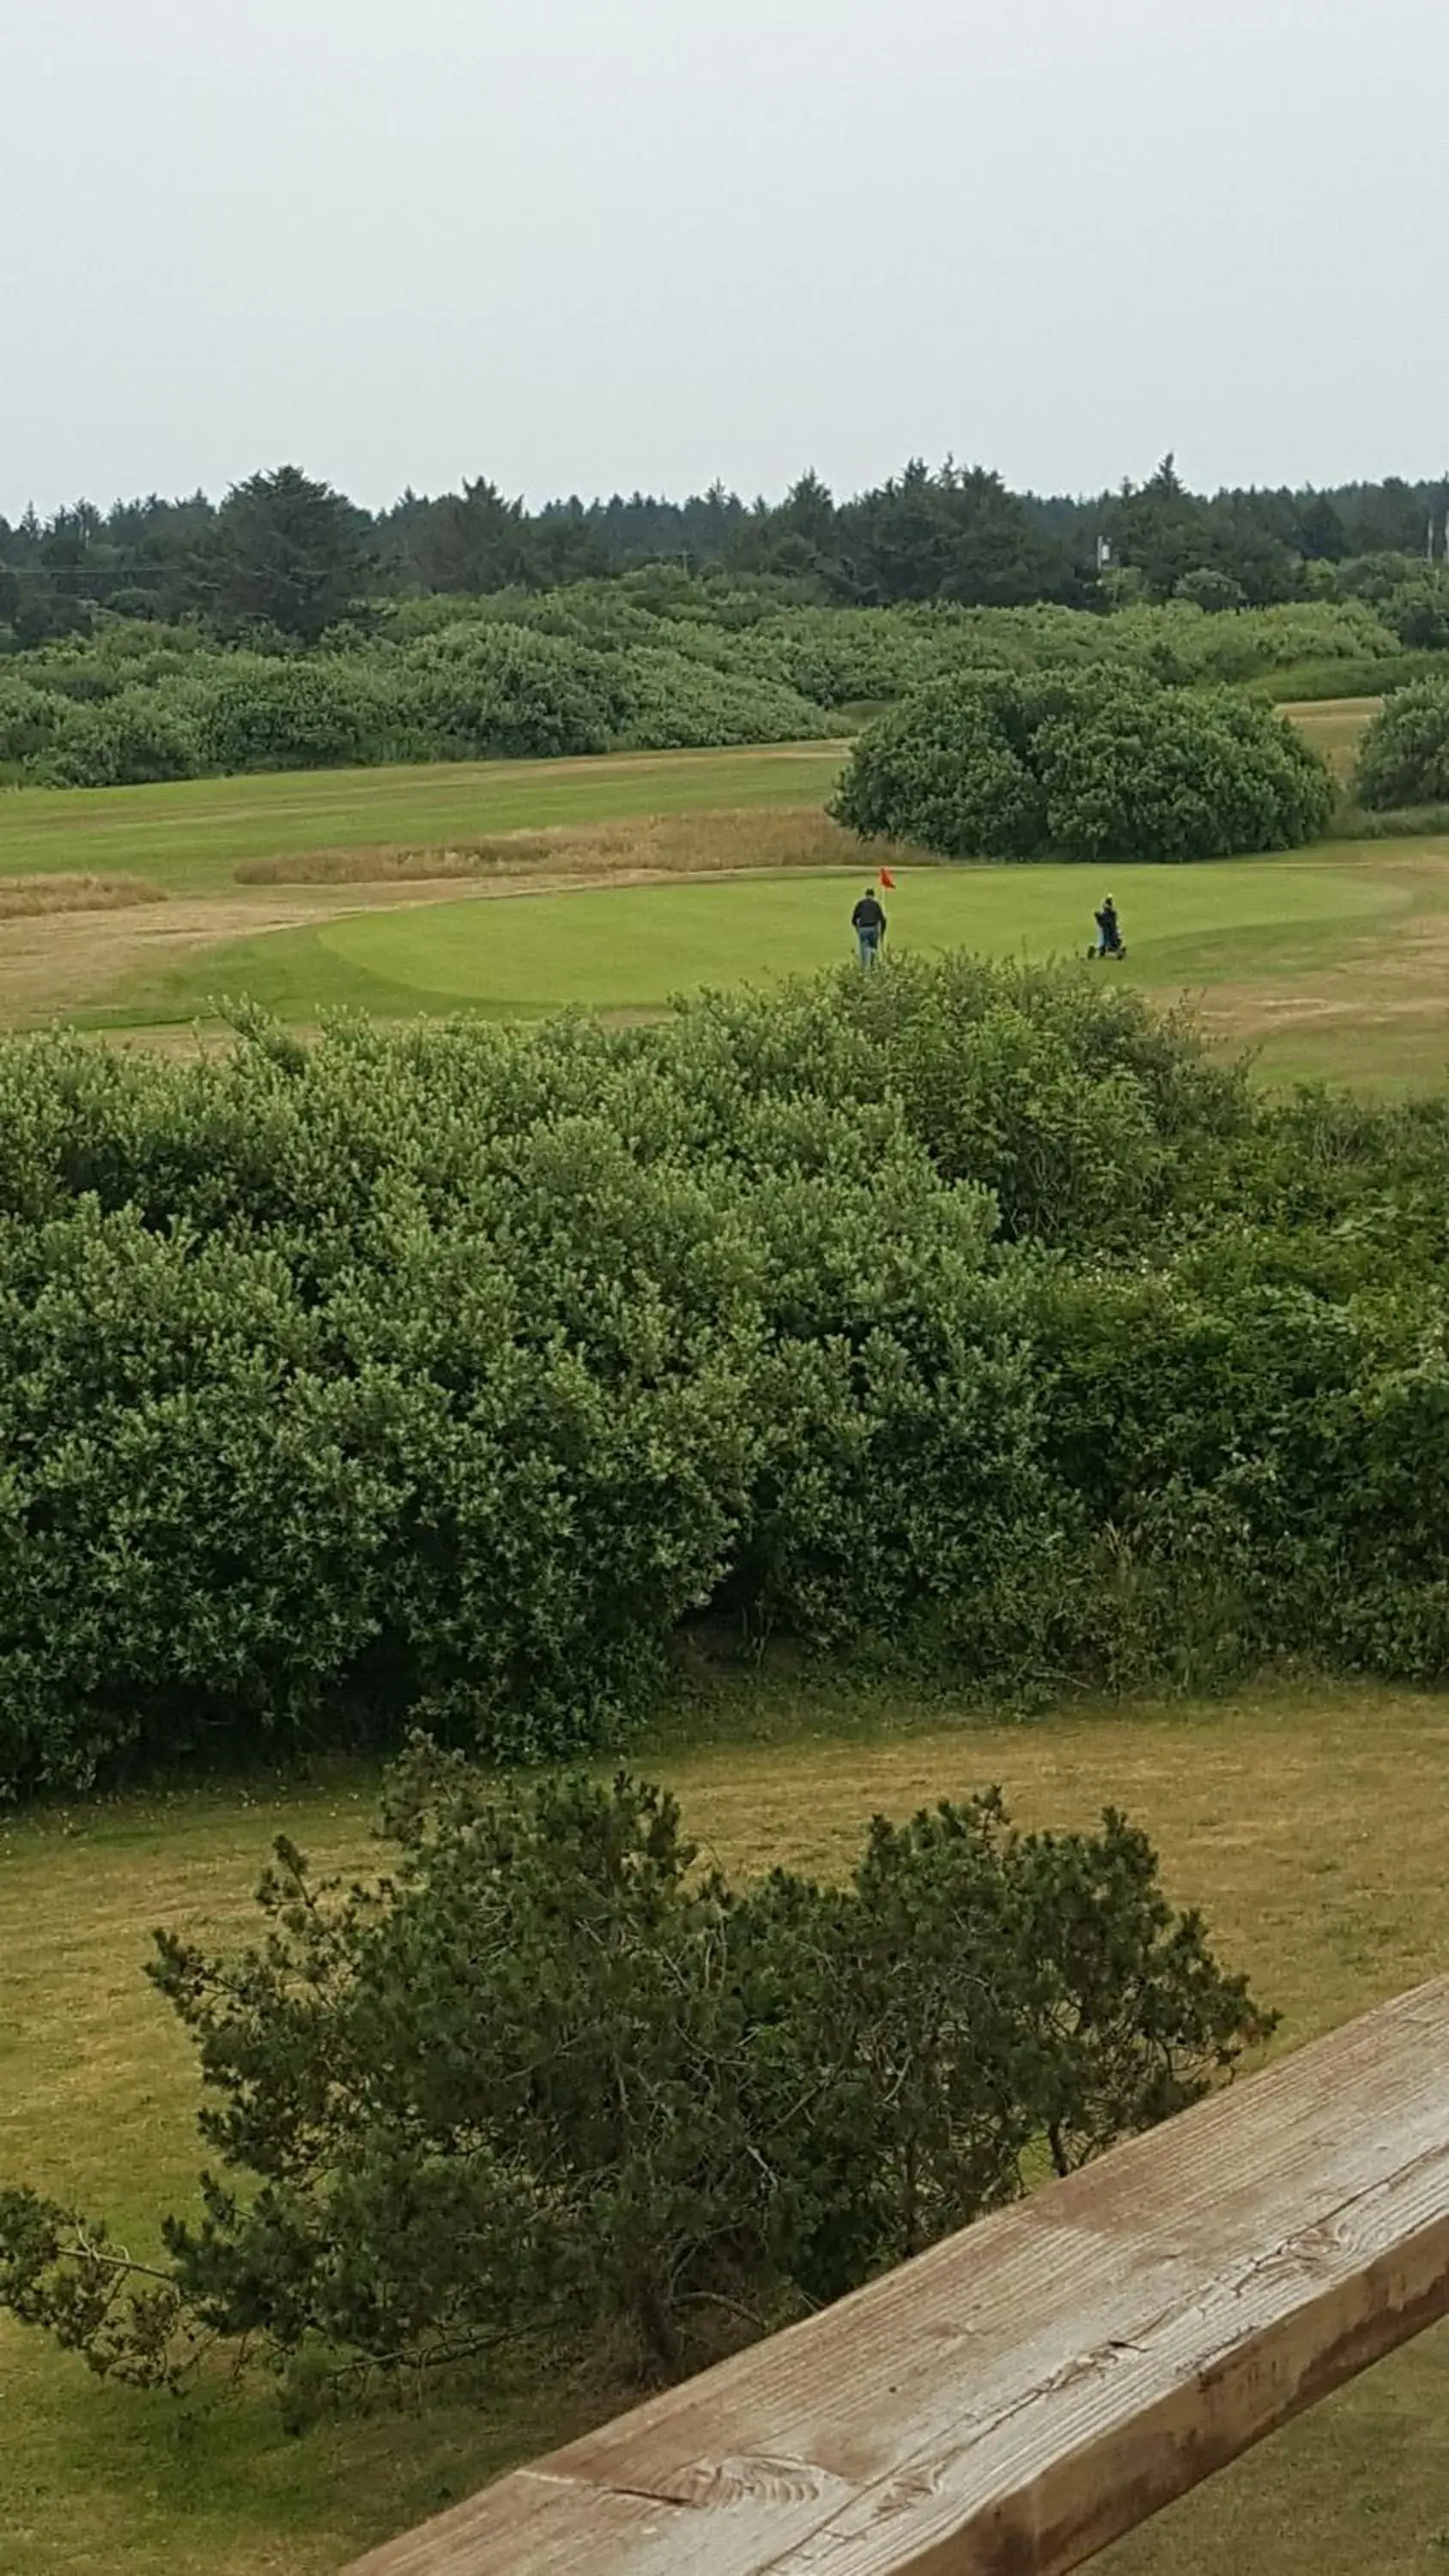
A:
x: 1083, y: 765
x: 960, y: 1314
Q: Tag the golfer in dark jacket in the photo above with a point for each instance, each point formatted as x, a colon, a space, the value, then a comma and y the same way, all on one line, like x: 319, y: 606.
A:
x: 1109, y: 931
x: 868, y: 922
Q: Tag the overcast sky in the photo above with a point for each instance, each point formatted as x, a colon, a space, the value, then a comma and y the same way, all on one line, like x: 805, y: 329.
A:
x: 587, y: 245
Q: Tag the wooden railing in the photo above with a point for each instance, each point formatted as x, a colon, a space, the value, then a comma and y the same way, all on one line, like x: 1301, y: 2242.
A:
x: 1030, y: 2389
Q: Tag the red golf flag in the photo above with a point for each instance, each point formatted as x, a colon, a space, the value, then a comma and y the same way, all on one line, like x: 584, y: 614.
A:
x: 887, y: 880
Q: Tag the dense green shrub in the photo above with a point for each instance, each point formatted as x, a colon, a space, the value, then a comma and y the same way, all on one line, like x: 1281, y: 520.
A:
x: 34, y: 722
x: 1180, y: 775
x: 1404, y: 756
x: 1082, y: 1114
x: 1181, y: 642
x: 495, y: 692
x: 843, y: 656
x: 1418, y: 612
x: 670, y: 700
x: 1409, y: 596
x: 1084, y: 767
x: 962, y: 1313
x: 546, y: 2079
x: 120, y: 653
x: 288, y: 711
x: 493, y: 1449
x: 951, y: 766
x: 126, y: 740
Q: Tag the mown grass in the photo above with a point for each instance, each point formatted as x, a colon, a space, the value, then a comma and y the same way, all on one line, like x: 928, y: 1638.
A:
x: 1325, y: 964
x: 192, y: 834
x: 1310, y: 1826
x: 634, y: 948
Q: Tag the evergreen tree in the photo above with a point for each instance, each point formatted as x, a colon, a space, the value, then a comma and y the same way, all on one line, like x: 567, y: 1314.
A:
x: 285, y: 552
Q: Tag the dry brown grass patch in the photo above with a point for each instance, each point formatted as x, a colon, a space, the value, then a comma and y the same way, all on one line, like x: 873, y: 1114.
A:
x: 711, y: 842
x: 1335, y: 727
x: 22, y: 896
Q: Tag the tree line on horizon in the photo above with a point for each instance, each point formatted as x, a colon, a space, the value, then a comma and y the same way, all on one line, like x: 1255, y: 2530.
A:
x: 281, y: 550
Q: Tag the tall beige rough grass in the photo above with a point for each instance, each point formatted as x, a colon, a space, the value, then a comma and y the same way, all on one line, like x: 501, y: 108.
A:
x: 23, y: 896
x: 712, y: 842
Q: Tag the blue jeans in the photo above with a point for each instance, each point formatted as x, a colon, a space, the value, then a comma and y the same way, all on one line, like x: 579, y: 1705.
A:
x: 869, y: 946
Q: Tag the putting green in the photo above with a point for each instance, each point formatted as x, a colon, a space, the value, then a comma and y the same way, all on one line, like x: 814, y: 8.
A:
x: 636, y: 947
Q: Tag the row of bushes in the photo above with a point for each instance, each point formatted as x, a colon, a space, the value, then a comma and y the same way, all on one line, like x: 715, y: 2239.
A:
x: 657, y: 663
x: 469, y: 692
x: 962, y: 1314
x: 841, y: 656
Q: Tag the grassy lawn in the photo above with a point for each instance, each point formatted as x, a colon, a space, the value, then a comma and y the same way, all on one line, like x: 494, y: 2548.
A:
x: 1327, y: 962
x: 190, y: 835
x: 1309, y: 1826
x: 630, y: 948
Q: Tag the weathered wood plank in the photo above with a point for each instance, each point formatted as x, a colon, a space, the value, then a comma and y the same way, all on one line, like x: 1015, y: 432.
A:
x: 1028, y: 2390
